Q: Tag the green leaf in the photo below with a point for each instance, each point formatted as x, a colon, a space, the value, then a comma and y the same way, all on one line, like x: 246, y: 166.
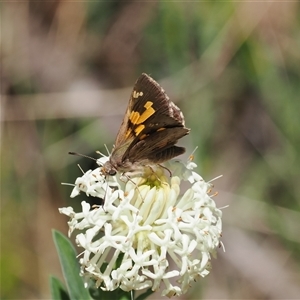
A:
x: 70, y: 267
x: 145, y: 295
x: 58, y: 290
x: 118, y: 293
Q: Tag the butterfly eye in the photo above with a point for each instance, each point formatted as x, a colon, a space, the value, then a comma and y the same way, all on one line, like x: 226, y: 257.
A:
x: 112, y: 172
x: 108, y: 169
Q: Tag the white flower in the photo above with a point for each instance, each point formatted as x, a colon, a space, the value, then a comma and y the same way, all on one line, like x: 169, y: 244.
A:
x: 146, y: 235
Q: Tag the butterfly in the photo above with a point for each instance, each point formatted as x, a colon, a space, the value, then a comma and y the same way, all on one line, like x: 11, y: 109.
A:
x: 151, y: 127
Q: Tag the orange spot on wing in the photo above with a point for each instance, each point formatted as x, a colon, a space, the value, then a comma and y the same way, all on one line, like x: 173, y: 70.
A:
x: 147, y: 113
x: 139, y: 129
x: 134, y: 117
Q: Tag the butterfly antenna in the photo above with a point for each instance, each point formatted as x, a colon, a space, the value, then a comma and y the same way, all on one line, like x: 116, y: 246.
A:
x: 82, y: 155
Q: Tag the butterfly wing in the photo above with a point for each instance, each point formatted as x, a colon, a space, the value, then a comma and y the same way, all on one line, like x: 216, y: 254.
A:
x: 151, y: 126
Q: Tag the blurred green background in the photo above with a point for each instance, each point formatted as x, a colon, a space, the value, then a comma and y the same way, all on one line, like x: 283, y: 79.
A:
x: 67, y: 69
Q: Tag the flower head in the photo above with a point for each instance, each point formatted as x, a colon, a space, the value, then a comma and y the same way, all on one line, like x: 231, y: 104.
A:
x: 146, y: 234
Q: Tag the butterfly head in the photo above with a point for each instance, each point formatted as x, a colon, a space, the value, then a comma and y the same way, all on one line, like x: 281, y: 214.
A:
x: 127, y: 168
x: 109, y: 169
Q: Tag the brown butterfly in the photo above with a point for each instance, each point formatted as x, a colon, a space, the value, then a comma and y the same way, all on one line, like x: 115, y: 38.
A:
x: 151, y: 127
